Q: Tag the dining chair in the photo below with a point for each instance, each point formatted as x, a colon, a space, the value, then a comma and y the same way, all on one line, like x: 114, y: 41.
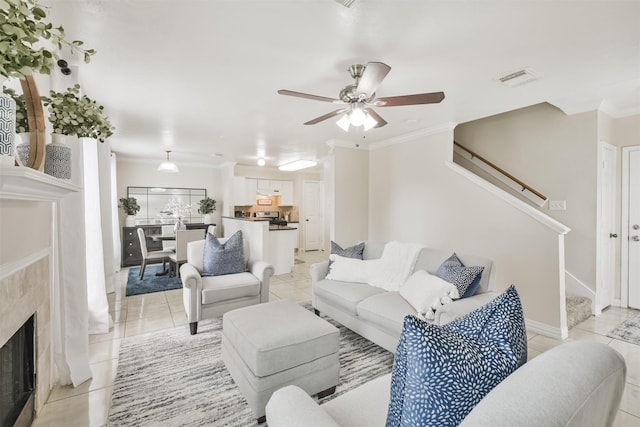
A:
x: 150, y: 256
x: 168, y: 245
x: 182, y: 238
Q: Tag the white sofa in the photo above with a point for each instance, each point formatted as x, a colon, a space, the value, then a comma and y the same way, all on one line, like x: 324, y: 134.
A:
x: 212, y: 296
x: 377, y: 314
x: 577, y: 384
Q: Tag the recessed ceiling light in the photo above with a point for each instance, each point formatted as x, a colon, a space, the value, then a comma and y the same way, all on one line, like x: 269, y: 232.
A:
x: 297, y: 165
x: 261, y: 161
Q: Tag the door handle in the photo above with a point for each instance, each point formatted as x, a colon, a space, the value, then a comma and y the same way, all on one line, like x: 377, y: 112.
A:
x: 635, y: 226
x: 635, y: 238
x: 613, y: 235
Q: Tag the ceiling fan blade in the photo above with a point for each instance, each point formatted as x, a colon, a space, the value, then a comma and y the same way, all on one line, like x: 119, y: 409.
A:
x: 327, y: 116
x: 308, y: 96
x: 379, y: 119
x: 420, y: 98
x: 371, y: 78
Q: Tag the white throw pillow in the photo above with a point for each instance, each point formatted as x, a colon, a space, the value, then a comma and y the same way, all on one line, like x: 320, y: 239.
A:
x: 349, y: 269
x: 426, y: 292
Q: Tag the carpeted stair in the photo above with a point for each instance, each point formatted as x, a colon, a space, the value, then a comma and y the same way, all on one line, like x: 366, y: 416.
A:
x: 578, y: 310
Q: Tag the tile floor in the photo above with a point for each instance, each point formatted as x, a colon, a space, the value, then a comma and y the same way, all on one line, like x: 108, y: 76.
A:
x: 88, y: 404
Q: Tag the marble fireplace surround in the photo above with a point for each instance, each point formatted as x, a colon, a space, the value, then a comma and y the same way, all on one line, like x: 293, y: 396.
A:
x: 27, y: 197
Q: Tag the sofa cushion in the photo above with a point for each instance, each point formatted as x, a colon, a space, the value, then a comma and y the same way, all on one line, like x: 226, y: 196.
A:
x: 345, y: 295
x: 223, y: 258
x: 466, y: 279
x: 386, y: 311
x: 354, y: 251
x: 229, y: 286
x: 441, y: 372
x: 426, y: 292
x: 430, y: 259
x: 454, y: 261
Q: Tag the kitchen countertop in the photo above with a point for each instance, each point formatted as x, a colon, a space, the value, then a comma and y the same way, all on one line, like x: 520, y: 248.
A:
x: 280, y: 227
x: 271, y: 227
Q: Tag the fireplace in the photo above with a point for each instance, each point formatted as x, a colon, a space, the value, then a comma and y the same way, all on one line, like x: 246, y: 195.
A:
x: 17, y: 377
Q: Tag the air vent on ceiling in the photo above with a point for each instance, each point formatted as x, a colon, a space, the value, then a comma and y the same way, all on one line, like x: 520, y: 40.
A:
x: 518, y: 78
x: 348, y: 3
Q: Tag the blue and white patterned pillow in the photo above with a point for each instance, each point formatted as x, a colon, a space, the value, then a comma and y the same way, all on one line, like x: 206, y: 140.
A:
x: 466, y: 279
x: 355, y: 251
x: 223, y: 258
x: 441, y: 372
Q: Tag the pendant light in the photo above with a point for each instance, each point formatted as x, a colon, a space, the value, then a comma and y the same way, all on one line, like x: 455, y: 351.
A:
x: 168, y: 166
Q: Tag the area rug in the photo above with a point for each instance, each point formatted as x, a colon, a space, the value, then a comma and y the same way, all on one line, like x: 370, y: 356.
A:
x: 628, y: 330
x: 151, y: 282
x: 171, y: 378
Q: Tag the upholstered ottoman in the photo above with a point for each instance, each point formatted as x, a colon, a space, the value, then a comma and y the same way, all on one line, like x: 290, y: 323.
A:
x: 268, y: 346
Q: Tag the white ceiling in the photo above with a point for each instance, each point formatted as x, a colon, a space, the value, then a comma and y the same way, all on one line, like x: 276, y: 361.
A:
x: 199, y: 77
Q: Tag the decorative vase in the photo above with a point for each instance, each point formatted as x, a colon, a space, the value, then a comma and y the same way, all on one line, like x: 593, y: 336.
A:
x: 130, y: 221
x: 208, y: 218
x: 7, y: 128
x: 179, y: 225
x: 22, y: 148
x: 57, y: 161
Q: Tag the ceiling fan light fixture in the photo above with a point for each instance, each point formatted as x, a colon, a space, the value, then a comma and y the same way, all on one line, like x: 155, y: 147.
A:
x: 357, y: 116
x: 297, y: 165
x: 344, y: 122
x: 369, y: 122
x: 168, y: 166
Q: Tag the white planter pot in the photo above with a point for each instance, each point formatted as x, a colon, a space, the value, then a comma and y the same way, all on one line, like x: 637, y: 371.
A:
x: 57, y: 161
x: 130, y: 221
x: 208, y: 218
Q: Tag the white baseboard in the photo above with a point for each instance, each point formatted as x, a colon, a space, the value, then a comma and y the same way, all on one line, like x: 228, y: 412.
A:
x: 546, y: 330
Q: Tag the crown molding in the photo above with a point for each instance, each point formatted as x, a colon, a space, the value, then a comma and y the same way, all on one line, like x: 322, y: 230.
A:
x: 412, y: 136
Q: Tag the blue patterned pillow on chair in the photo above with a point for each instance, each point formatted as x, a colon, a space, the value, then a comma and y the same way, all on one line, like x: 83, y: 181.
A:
x: 223, y: 258
x: 441, y: 372
x: 466, y: 279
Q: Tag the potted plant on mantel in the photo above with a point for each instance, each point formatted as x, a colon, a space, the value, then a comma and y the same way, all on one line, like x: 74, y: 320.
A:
x: 28, y: 44
x: 131, y: 207
x: 72, y: 114
x: 207, y: 208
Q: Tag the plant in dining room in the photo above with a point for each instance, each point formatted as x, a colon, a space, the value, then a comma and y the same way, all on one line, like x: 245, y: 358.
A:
x: 207, y: 208
x: 131, y: 207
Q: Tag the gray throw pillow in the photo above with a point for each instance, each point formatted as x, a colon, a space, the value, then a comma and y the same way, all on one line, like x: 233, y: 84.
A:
x: 355, y: 251
x: 223, y: 258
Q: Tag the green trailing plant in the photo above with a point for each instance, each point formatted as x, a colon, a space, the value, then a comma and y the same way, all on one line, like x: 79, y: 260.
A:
x: 22, y: 125
x: 129, y: 205
x: 73, y: 114
x: 28, y: 42
x: 207, y: 206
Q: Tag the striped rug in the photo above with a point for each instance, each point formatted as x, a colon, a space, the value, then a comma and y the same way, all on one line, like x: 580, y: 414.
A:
x: 172, y: 378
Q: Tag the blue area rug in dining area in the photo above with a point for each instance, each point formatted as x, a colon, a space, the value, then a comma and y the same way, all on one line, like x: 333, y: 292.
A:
x: 151, y: 282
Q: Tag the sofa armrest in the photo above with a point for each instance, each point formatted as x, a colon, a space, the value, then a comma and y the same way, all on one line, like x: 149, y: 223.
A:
x: 263, y: 271
x: 290, y: 406
x: 448, y: 312
x: 319, y: 271
x: 190, y: 277
x: 574, y: 384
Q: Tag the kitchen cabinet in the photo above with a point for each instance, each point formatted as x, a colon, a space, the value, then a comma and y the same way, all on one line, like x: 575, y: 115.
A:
x: 244, y: 191
x: 286, y: 195
x: 275, y: 187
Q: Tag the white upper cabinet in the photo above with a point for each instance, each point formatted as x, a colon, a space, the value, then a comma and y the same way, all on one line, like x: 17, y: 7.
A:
x: 286, y: 193
x: 244, y: 191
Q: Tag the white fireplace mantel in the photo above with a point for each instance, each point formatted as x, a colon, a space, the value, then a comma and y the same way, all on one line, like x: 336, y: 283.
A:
x: 23, y: 183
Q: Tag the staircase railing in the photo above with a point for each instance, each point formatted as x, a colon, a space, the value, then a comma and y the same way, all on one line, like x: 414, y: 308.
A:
x: 500, y: 174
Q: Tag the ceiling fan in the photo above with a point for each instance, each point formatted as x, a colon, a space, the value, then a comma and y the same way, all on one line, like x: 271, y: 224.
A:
x: 358, y: 98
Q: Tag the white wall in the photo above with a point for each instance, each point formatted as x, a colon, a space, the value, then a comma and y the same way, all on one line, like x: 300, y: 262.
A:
x: 415, y: 197
x: 556, y: 154
x: 142, y: 173
x: 350, y: 217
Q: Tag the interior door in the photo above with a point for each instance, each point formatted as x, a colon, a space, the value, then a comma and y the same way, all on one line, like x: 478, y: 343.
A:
x: 606, y: 232
x: 312, y: 215
x: 631, y: 244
